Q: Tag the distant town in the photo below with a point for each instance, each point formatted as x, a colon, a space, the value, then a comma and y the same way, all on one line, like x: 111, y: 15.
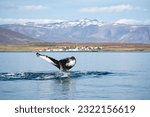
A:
x: 75, y: 47
x: 94, y: 47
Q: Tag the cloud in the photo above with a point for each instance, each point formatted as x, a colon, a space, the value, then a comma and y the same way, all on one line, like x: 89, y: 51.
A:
x: 32, y: 7
x: 8, y: 6
x: 23, y: 21
x: 132, y: 22
x: 45, y: 21
x: 24, y: 8
x: 115, y: 8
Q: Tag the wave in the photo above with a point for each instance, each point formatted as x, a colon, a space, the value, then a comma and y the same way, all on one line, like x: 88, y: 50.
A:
x: 51, y: 75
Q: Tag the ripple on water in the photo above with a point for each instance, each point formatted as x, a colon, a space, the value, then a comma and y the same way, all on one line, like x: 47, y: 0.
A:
x: 50, y: 75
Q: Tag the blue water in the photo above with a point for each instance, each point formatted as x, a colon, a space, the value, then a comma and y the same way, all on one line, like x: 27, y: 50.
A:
x: 96, y: 75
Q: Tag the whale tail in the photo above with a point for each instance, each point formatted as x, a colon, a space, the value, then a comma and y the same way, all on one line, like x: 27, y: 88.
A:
x: 63, y: 64
x: 38, y: 54
x: 49, y: 59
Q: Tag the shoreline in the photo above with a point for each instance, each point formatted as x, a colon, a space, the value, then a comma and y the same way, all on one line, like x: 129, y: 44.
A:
x: 75, y: 47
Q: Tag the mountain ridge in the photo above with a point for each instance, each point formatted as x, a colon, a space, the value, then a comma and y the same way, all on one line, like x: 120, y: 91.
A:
x: 83, y: 30
x: 11, y: 37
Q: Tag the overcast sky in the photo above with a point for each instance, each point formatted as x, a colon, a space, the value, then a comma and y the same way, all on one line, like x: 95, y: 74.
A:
x: 137, y: 11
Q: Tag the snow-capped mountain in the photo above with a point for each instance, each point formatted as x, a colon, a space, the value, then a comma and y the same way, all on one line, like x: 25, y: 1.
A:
x: 66, y: 24
x: 80, y: 23
x: 83, y: 30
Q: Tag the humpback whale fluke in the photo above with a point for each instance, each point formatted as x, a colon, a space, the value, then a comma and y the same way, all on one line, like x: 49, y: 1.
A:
x: 63, y: 64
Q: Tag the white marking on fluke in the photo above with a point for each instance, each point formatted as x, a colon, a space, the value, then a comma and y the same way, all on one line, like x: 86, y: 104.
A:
x: 63, y: 64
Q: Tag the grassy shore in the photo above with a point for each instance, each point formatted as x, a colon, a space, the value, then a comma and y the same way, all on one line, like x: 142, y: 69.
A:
x: 64, y: 46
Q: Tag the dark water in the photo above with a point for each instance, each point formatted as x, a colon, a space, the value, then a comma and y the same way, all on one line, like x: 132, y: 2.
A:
x: 95, y: 76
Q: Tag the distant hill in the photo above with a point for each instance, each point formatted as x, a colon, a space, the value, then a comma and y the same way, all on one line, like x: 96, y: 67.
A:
x: 84, y: 30
x: 11, y: 37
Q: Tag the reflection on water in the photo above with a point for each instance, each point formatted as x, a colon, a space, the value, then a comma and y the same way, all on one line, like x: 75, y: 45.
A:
x: 46, y: 85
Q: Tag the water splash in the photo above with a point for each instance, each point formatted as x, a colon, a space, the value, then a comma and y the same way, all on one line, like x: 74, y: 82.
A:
x: 50, y: 75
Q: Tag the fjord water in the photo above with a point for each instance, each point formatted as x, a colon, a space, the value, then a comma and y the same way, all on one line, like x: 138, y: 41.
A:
x: 96, y: 75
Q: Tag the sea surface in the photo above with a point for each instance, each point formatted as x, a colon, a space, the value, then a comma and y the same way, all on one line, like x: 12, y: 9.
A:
x: 96, y: 75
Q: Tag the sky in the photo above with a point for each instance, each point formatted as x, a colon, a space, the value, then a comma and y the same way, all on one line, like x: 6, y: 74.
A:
x: 129, y: 11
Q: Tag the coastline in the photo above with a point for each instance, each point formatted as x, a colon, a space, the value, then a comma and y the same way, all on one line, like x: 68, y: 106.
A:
x: 75, y: 47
